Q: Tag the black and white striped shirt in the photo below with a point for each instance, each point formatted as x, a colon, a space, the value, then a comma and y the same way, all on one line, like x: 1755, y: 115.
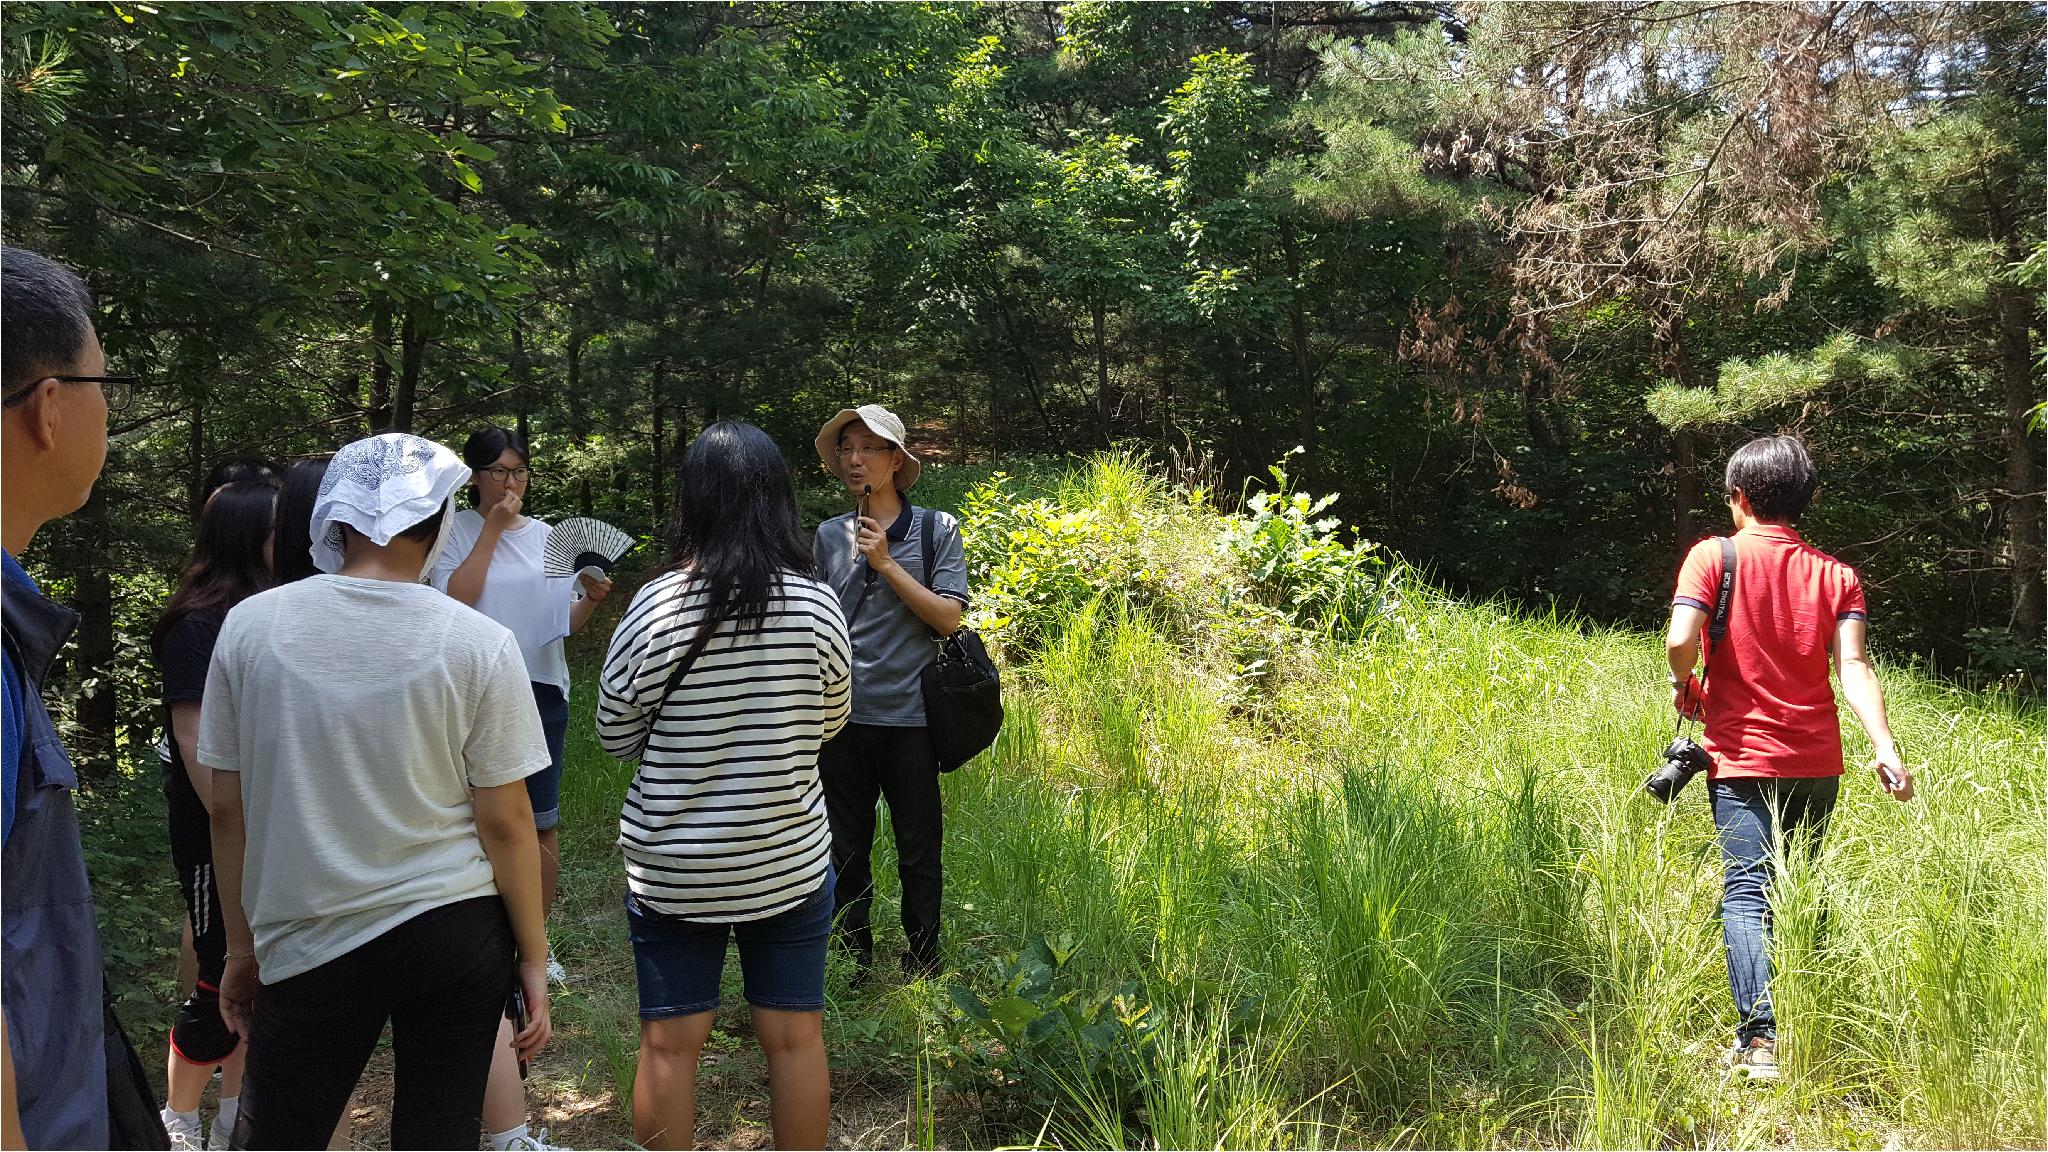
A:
x: 725, y: 820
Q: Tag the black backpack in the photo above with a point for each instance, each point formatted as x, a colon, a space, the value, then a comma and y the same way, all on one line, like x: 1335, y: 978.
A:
x: 963, y: 693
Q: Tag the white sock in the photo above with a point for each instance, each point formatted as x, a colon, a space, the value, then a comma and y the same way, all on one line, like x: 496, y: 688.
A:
x: 230, y: 1107
x: 171, y: 1116
x: 503, y: 1140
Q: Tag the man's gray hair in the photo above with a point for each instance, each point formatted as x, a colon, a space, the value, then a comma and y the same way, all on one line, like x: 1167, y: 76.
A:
x: 45, y: 317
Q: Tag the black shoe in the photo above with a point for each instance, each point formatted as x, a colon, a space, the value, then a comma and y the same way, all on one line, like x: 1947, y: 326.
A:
x: 922, y: 965
x: 863, y: 970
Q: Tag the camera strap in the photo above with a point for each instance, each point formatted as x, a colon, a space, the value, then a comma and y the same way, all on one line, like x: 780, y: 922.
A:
x: 1717, y: 621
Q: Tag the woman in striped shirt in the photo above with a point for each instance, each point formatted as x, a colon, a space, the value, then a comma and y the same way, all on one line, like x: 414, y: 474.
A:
x: 726, y: 675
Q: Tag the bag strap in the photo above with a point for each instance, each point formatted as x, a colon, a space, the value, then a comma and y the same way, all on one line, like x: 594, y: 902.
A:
x: 1724, y: 599
x: 1717, y: 622
x: 928, y: 546
x: 926, y: 549
x: 697, y: 645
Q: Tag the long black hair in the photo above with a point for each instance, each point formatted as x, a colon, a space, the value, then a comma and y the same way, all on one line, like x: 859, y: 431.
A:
x: 227, y: 553
x: 735, y: 523
x: 236, y: 469
x: 486, y: 444
x: 294, y: 548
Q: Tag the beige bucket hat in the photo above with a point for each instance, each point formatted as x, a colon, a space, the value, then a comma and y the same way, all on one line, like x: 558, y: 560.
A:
x: 881, y: 422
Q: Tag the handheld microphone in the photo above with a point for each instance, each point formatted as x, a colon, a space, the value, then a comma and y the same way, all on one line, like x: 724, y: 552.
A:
x: 866, y: 490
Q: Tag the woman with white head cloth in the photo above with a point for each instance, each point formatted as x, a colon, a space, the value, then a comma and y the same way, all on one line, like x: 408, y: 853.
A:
x: 372, y: 836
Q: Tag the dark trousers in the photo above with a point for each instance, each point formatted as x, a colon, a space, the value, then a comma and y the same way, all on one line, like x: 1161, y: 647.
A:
x: 863, y: 762
x: 198, y: 1036
x: 442, y: 979
x: 1750, y: 814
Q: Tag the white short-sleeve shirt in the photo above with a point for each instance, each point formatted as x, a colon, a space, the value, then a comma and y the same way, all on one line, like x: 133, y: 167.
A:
x: 516, y: 592
x: 359, y: 715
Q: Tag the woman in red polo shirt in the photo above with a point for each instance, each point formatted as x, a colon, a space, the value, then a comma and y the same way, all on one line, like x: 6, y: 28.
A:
x: 1769, y: 710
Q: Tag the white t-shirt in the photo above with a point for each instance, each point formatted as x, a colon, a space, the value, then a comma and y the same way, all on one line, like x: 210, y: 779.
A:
x: 516, y: 593
x: 359, y: 714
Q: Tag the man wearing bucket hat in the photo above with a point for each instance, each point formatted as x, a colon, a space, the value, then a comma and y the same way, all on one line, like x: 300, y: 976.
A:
x: 372, y: 836
x: 874, y: 559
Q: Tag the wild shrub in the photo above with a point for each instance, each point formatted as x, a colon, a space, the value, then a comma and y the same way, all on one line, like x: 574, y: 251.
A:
x: 1293, y: 558
x: 1236, y: 593
x: 1042, y: 1035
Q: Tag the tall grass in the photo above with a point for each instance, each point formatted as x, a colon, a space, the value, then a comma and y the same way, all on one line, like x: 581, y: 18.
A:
x: 1429, y: 847
x: 1405, y: 891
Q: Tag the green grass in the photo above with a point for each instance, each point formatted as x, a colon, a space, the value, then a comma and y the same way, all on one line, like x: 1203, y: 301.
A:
x: 1405, y: 894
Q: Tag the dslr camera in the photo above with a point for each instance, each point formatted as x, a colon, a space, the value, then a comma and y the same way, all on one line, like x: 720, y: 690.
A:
x: 1683, y: 760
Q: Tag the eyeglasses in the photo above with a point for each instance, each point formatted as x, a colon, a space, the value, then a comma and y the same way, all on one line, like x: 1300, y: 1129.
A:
x: 505, y: 475
x: 871, y: 451
x: 119, y: 390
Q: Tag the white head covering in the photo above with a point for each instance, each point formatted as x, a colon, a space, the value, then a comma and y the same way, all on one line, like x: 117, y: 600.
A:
x: 382, y: 486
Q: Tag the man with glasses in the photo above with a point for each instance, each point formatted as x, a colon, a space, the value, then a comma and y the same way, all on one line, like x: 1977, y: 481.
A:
x: 55, y: 441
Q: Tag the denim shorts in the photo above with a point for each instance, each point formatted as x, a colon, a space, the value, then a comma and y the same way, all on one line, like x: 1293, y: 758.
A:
x: 544, y: 787
x: 782, y: 958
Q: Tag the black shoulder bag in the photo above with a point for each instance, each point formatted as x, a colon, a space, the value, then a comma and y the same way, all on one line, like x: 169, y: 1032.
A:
x: 963, y: 693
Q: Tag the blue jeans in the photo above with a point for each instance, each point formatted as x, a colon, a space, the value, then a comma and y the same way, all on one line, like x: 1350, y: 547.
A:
x: 1750, y: 813
x: 544, y: 787
x: 677, y: 962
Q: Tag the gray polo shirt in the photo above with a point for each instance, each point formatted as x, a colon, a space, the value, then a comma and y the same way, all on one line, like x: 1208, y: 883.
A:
x: 891, y: 645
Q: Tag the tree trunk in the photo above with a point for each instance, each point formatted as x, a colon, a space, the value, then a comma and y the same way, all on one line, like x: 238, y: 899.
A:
x: 2023, y: 495
x: 413, y: 348
x: 1246, y: 448
x: 655, y: 481
x: 99, y: 713
x: 522, y: 371
x: 573, y: 384
x: 348, y: 405
x: 1297, y: 332
x: 1030, y: 365
x: 1675, y: 359
x: 1688, y: 487
x: 1102, y: 404
x: 995, y: 409
x: 377, y: 418
x: 573, y: 387
x: 195, y: 461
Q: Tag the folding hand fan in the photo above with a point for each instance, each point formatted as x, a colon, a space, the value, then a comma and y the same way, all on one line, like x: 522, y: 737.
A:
x: 582, y: 543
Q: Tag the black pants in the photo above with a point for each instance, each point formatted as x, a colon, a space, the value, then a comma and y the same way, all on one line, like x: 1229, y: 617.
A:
x: 442, y: 979
x: 198, y: 1036
x: 865, y: 761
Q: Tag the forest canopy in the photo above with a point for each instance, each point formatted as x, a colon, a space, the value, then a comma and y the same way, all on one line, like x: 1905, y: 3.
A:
x: 1514, y: 278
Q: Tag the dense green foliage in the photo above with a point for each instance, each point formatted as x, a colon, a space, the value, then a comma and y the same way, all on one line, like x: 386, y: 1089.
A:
x: 1418, y: 243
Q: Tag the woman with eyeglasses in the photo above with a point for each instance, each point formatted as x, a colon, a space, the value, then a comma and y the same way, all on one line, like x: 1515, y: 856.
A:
x: 493, y: 563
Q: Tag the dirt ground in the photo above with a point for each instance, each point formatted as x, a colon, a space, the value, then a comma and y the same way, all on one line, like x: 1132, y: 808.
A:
x: 571, y: 1096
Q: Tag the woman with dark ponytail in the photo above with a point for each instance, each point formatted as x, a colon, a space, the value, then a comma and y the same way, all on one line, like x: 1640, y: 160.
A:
x: 293, y: 556
x: 231, y: 561
x: 726, y: 675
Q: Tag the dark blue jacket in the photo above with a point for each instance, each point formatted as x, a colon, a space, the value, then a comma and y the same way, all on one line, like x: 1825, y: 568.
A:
x: 50, y: 974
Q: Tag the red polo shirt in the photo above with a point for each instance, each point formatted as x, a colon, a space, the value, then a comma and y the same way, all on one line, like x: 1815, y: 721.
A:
x: 1770, y: 706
